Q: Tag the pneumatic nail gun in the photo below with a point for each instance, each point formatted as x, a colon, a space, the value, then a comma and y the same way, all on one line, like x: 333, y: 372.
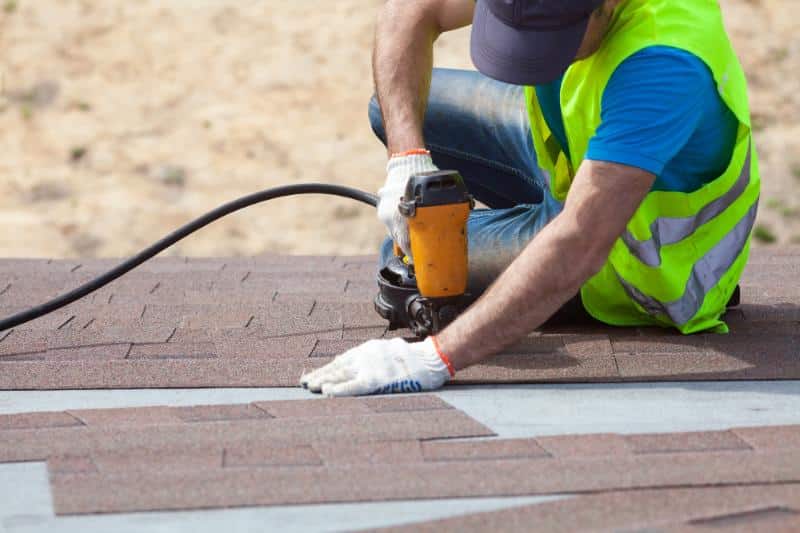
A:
x: 429, y: 292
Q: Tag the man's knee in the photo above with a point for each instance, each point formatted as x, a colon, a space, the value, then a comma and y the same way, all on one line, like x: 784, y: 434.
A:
x: 376, y: 119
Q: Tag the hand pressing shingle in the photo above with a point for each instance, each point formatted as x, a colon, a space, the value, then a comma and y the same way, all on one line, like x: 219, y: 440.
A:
x: 382, y: 367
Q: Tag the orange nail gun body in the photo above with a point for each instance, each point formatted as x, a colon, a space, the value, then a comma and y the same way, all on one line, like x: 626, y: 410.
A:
x: 427, y: 294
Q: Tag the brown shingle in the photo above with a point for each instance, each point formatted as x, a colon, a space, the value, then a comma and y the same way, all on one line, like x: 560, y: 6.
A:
x: 538, y: 344
x: 363, y: 333
x: 686, y: 442
x: 132, y: 333
x: 220, y: 315
x: 20, y: 341
x: 136, y: 373
x: 210, y: 413
x: 159, y: 428
x: 172, y: 350
x: 324, y: 407
x: 405, y: 402
x: 152, y: 458
x: 263, y: 456
x: 535, y: 368
x: 585, y: 346
x: 577, y: 446
x: 314, y: 484
x: 395, y: 452
x: 38, y: 420
x: 326, y: 348
x: 71, y: 464
x: 770, y: 437
x: 132, y: 416
x: 284, y: 307
x: 641, y: 510
x: 705, y: 366
x: 237, y: 344
x: 482, y: 450
x: 188, y: 458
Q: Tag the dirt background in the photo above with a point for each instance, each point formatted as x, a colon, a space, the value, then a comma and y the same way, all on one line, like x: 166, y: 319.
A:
x: 122, y: 120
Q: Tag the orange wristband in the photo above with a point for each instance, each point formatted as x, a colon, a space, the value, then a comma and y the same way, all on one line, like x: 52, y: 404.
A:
x: 444, y: 358
x: 415, y: 151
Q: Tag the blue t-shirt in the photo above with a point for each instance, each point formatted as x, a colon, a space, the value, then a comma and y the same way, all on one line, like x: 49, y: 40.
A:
x: 660, y: 112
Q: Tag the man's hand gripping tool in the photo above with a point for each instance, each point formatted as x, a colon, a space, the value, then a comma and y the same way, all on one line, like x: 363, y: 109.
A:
x: 427, y: 294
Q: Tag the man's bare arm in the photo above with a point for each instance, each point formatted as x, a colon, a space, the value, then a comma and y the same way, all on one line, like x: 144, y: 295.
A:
x: 552, y: 268
x: 402, y: 62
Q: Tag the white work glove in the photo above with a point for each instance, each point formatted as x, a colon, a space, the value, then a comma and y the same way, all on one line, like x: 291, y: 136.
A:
x: 380, y: 367
x: 398, y: 171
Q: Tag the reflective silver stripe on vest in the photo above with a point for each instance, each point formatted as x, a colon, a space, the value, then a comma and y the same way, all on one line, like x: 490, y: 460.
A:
x: 706, y: 273
x: 667, y: 230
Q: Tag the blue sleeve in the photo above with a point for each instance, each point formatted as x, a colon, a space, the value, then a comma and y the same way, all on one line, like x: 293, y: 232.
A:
x: 651, y: 107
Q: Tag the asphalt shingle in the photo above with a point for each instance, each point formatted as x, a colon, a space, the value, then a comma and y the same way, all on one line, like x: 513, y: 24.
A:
x: 310, y: 451
x: 216, y: 322
x: 320, y: 470
x: 740, y: 508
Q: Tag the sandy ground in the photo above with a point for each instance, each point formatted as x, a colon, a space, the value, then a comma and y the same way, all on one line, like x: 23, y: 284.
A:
x: 122, y: 120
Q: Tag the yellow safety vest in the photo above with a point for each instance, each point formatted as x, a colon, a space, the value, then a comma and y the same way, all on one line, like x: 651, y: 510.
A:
x: 681, y: 256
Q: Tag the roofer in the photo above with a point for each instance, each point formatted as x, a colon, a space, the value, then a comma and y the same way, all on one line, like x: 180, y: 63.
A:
x: 611, y: 142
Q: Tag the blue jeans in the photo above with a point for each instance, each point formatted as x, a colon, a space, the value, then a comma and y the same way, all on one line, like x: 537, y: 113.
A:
x: 480, y: 127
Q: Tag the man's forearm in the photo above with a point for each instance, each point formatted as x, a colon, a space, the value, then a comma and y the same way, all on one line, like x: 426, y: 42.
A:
x: 548, y: 272
x: 402, y: 63
x: 552, y: 267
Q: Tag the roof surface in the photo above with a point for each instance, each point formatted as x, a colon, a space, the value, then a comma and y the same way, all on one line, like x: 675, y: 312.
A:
x: 629, y: 455
x: 262, y: 321
x: 381, y: 448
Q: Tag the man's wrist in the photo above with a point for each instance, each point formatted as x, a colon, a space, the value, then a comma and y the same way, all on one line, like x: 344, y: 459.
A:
x: 443, y: 356
x: 413, y: 151
x: 402, y: 142
x: 446, y: 346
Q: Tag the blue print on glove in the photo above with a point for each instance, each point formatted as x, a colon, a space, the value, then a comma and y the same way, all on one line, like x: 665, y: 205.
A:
x: 406, y: 385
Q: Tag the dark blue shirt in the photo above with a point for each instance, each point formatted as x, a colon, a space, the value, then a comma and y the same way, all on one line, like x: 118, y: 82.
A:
x: 660, y: 112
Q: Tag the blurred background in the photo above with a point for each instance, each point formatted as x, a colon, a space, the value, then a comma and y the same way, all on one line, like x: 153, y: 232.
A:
x: 120, y: 121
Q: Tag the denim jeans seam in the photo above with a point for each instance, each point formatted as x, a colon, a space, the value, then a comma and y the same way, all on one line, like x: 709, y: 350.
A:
x: 484, y: 161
